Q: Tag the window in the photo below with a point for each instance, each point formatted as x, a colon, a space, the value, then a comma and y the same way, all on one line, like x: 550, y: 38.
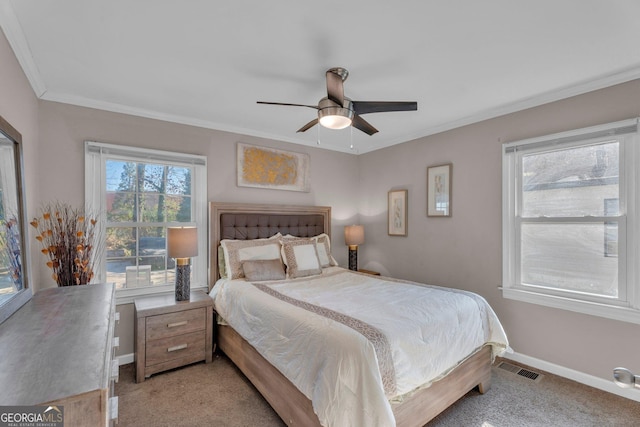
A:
x: 570, y: 221
x: 139, y: 193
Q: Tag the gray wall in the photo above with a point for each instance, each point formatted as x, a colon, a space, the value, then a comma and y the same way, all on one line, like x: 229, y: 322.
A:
x: 333, y: 175
x: 465, y: 251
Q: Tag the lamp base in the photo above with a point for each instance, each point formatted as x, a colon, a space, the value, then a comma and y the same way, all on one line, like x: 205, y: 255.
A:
x: 353, y: 258
x: 183, y: 278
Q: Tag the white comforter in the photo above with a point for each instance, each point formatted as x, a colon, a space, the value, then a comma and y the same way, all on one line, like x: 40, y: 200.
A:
x: 429, y: 329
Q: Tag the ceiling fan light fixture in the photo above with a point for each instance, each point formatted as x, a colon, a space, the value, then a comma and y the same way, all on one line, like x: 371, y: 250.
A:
x: 336, y: 111
x: 335, y: 117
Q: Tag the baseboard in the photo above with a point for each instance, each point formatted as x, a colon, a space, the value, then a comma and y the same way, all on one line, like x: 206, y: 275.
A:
x: 581, y: 377
x: 125, y: 359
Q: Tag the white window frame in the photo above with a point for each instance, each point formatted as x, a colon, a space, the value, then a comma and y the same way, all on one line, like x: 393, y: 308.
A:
x: 627, y: 306
x: 96, y: 155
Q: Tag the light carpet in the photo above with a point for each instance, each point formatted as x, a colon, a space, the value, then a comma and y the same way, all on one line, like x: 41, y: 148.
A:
x: 218, y: 394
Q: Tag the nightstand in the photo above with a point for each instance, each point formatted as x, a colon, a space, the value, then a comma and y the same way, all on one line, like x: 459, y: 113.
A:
x: 170, y: 333
x: 374, y: 273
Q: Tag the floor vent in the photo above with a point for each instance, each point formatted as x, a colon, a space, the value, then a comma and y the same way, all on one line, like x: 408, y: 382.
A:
x: 520, y: 371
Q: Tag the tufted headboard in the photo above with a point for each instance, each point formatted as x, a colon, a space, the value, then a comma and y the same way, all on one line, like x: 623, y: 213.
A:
x: 244, y: 221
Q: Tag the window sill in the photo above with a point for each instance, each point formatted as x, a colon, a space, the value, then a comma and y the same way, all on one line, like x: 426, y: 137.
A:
x: 624, y: 314
x: 127, y: 296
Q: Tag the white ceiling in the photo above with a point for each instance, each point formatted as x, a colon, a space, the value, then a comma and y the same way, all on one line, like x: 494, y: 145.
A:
x: 207, y: 62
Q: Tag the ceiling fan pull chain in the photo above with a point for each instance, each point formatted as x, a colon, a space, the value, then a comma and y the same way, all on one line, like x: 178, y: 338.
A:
x: 318, y: 137
x: 351, y: 131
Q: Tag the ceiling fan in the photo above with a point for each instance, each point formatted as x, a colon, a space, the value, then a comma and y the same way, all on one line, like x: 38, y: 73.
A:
x: 336, y: 111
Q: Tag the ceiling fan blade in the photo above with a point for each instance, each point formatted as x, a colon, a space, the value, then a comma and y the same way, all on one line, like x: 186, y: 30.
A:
x: 335, y: 88
x: 363, y: 125
x: 308, y: 126
x: 365, y: 107
x: 315, y: 107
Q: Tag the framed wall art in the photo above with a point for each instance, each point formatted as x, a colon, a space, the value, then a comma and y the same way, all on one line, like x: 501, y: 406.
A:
x: 439, y: 190
x: 264, y: 167
x: 398, y: 212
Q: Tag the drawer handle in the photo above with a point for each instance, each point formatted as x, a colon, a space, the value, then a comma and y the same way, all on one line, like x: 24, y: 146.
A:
x: 173, y: 325
x: 113, y: 408
x: 177, y: 347
x: 115, y: 370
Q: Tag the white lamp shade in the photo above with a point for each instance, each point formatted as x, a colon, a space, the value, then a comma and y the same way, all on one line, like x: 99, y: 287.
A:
x: 354, y: 235
x: 182, y: 242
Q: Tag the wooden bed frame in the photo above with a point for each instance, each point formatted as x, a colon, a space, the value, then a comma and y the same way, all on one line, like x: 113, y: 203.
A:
x: 294, y: 407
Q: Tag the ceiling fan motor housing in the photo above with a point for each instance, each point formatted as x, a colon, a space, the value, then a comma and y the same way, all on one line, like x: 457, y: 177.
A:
x: 342, y: 72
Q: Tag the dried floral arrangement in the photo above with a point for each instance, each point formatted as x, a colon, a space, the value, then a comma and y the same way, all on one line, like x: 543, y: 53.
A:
x: 69, y: 240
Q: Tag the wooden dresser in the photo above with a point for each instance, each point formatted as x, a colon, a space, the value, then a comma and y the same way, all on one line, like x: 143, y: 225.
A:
x: 58, y: 349
x: 170, y: 333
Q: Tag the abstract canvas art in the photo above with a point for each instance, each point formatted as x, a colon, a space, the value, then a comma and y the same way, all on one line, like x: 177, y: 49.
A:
x: 264, y: 167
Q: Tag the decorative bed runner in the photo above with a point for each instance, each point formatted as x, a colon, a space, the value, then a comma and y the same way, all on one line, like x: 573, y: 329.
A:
x: 376, y: 337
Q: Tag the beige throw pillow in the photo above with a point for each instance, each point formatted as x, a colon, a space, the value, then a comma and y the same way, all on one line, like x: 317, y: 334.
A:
x: 301, y: 258
x: 264, y: 269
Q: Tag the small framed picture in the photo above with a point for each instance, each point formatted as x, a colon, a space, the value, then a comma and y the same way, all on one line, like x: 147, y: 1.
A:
x: 439, y: 190
x: 398, y: 204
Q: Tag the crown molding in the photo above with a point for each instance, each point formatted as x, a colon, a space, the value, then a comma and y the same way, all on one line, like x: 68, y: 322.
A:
x: 15, y: 36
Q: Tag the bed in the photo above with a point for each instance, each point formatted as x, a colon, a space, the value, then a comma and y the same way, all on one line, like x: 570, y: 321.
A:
x: 315, y: 361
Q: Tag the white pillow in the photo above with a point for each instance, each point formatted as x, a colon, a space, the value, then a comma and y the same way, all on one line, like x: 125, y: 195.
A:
x: 323, y: 245
x: 237, y: 251
x: 222, y: 266
x: 300, y: 257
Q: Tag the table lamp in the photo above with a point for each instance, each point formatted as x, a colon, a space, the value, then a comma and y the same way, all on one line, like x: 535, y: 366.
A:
x: 182, y: 244
x: 353, y: 236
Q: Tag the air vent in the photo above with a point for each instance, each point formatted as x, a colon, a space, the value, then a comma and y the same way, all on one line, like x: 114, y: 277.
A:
x: 535, y: 376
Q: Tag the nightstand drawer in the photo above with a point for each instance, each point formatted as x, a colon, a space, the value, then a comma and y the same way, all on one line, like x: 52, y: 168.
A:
x: 163, y: 350
x: 179, y: 323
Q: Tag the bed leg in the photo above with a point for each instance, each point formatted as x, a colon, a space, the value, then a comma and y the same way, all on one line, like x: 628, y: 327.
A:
x: 484, y: 386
